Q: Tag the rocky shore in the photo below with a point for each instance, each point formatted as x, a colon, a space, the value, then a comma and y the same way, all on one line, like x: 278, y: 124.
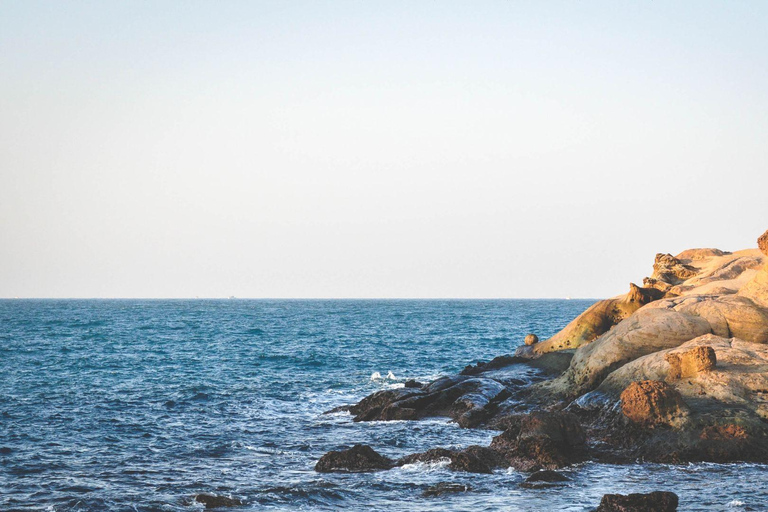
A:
x: 673, y: 371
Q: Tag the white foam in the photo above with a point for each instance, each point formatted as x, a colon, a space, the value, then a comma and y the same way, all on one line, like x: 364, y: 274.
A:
x: 427, y: 467
x: 736, y: 503
x: 391, y: 376
x: 375, y: 376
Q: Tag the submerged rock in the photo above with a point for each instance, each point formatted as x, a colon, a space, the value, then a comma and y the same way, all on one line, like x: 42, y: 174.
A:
x: 445, y: 488
x: 216, y: 501
x: 657, y: 501
x: 359, y: 458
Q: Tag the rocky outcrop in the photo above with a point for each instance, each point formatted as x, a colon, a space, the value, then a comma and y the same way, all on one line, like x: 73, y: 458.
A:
x: 672, y: 372
x: 595, y: 321
x: 658, y: 501
x: 360, y: 458
x: 652, y: 402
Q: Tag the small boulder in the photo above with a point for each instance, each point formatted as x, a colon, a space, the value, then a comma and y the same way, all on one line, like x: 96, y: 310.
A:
x: 473, y: 459
x: 445, y: 488
x: 657, y: 501
x: 215, y: 501
x: 359, y: 458
x: 691, y: 362
x: 413, y: 384
x: 652, y: 402
x: 531, y: 339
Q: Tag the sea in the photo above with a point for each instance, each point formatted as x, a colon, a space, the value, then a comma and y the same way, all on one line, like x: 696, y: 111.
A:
x: 139, y: 405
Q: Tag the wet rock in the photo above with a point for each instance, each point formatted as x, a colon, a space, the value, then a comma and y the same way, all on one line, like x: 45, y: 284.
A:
x: 652, y: 402
x: 215, y: 501
x: 540, y: 439
x: 359, y: 458
x: 445, y: 488
x: 473, y: 459
x: 691, y: 362
x: 531, y: 339
x: 468, y: 400
x: 658, y: 501
x: 544, y: 479
x: 413, y: 384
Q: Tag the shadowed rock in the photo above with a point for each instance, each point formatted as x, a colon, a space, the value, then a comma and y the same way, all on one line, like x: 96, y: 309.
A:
x: 548, y: 440
x: 658, y: 501
x: 359, y: 458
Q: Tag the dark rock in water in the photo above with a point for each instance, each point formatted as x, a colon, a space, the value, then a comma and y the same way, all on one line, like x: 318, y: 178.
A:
x: 473, y: 459
x: 413, y: 384
x: 544, y: 478
x: 540, y: 439
x: 357, y: 459
x: 468, y: 400
x: 445, y: 488
x: 496, y: 362
x: 658, y: 501
x: 215, y: 501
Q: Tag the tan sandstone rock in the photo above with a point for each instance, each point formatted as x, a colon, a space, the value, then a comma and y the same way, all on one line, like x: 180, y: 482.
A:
x: 691, y: 362
x: 531, y: 339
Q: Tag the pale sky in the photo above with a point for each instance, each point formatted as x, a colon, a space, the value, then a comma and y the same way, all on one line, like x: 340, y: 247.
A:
x: 374, y: 149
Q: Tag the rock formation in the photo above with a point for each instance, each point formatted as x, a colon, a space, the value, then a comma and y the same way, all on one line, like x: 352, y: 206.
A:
x: 658, y: 501
x: 673, y: 371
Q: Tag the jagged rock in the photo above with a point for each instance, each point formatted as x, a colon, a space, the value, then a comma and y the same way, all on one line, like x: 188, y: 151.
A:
x: 359, y: 458
x: 540, y: 439
x: 652, y: 402
x: 762, y: 243
x: 691, y: 362
x: 445, y: 488
x: 657, y: 501
x: 543, y: 479
x: 413, y: 384
x: 216, y: 501
x: 531, y: 339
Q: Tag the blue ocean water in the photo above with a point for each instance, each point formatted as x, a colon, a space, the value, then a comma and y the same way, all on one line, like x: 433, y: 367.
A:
x: 139, y: 405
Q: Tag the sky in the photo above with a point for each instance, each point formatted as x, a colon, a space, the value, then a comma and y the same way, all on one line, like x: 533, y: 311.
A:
x: 381, y: 149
